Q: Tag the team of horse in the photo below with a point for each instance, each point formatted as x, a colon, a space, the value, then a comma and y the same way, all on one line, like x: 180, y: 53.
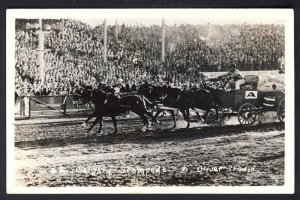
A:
x: 148, y: 96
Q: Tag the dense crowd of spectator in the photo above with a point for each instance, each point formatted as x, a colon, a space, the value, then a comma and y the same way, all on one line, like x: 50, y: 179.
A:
x: 74, y: 55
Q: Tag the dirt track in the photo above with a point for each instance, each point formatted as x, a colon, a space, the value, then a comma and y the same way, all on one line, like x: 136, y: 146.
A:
x: 63, y: 155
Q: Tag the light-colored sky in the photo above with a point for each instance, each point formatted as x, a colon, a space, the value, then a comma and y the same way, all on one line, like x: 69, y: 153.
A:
x: 182, y: 16
x: 192, y: 21
x: 154, y: 16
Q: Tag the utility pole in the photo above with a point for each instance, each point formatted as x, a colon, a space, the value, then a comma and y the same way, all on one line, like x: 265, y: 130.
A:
x: 41, y: 51
x: 163, y: 40
x: 162, y: 45
x: 105, y: 42
x: 63, y: 28
x: 116, y: 29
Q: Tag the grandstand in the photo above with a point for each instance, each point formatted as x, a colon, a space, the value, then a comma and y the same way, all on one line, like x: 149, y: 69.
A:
x: 75, y: 55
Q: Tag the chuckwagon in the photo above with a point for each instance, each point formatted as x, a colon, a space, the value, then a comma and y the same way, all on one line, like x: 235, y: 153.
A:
x: 259, y: 94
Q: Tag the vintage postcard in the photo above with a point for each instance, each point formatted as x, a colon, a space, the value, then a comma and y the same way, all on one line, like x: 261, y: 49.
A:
x: 150, y: 101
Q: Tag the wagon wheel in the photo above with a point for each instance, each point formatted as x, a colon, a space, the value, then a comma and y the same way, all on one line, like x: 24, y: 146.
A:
x: 247, y: 114
x: 281, y: 110
x: 212, y: 118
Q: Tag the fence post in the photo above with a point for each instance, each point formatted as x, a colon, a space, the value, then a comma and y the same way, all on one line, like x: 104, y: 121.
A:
x: 20, y: 107
x: 29, y: 107
x: 65, y: 103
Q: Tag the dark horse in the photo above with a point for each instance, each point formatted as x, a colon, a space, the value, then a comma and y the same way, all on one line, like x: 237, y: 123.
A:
x: 109, y: 104
x: 160, y: 95
x: 198, y: 98
x: 165, y: 95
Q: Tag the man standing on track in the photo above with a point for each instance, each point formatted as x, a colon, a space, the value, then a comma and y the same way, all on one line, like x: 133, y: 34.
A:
x: 22, y: 103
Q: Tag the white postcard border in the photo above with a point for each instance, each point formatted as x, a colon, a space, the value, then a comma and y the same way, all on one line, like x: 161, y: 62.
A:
x: 283, y: 15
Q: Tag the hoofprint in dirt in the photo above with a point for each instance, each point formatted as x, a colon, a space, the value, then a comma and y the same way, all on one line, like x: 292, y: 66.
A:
x: 62, y: 155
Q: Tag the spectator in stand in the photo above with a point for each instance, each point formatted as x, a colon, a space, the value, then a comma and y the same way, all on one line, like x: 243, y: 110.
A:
x: 75, y: 56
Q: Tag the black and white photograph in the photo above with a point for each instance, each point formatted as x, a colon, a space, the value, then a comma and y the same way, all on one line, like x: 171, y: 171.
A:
x: 150, y: 100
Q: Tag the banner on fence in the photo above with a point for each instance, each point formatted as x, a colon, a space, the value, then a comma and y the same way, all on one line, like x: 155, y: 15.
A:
x: 260, y: 73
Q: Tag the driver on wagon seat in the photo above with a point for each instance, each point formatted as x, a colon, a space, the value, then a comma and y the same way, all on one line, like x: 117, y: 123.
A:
x: 234, y: 77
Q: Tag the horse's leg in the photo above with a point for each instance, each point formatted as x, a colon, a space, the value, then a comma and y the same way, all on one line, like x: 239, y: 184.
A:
x: 115, y: 123
x: 199, y: 117
x: 217, y: 117
x: 95, y: 122
x: 151, y: 116
x: 206, y: 113
x: 146, y: 122
x: 144, y: 118
x: 174, y: 118
x: 101, y: 124
x: 157, y: 113
x: 184, y: 114
x: 89, y: 118
x: 217, y: 113
x: 188, y: 118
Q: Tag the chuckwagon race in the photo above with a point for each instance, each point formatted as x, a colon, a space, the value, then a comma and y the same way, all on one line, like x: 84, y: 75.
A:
x: 141, y: 102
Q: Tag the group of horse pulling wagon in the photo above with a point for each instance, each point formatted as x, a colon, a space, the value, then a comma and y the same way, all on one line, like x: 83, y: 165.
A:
x: 254, y: 98
x: 248, y: 103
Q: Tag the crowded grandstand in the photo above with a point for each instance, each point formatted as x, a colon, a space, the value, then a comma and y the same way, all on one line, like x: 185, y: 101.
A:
x: 74, y: 55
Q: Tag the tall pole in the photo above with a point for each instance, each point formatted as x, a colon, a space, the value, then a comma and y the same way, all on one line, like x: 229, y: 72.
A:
x: 163, y: 40
x: 41, y: 52
x: 116, y: 29
x: 63, y: 28
x: 40, y: 24
x: 162, y: 43
x: 105, y: 42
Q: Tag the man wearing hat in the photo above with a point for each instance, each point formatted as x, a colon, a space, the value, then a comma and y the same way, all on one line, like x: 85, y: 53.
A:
x: 234, y: 78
